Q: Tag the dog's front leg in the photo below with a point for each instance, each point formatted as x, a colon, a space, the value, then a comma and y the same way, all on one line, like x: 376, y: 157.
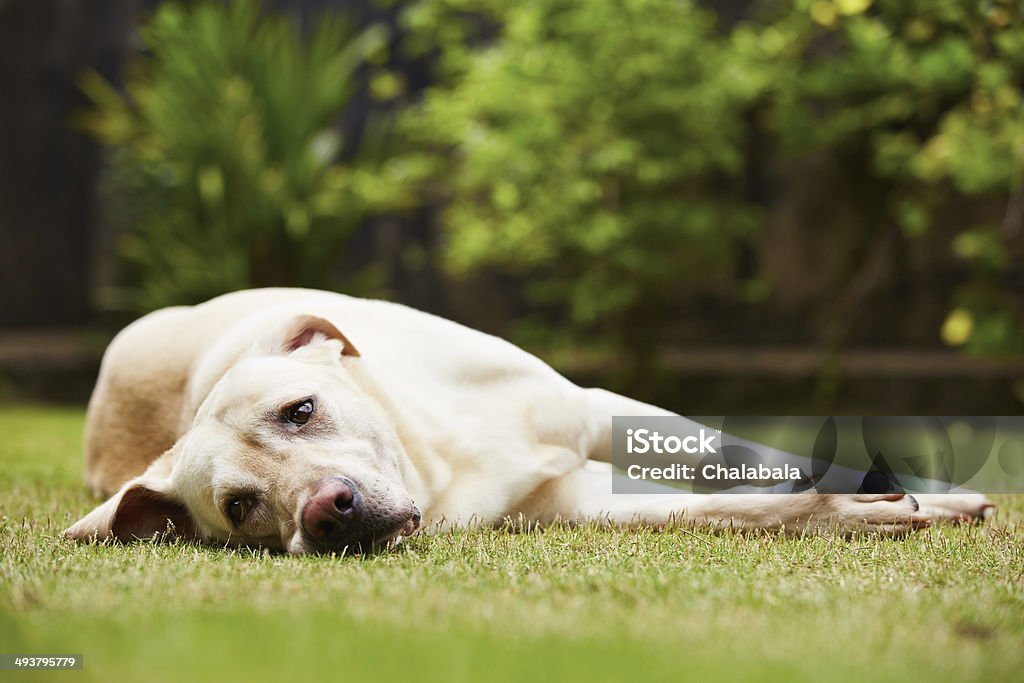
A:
x: 586, y: 496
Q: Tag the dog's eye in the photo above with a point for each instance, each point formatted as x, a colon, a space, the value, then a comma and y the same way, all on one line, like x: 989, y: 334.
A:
x: 299, y: 413
x: 238, y: 509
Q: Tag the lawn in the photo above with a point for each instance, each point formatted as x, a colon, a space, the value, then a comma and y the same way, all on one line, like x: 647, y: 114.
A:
x: 492, y: 605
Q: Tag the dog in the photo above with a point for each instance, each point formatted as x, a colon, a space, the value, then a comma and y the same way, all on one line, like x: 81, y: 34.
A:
x: 305, y: 421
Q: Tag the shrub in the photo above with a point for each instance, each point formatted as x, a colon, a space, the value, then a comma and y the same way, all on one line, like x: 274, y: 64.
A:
x: 599, y: 150
x: 226, y: 151
x: 931, y: 91
x: 592, y: 146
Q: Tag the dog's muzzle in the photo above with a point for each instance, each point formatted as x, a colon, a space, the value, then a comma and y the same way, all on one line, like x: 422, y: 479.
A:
x: 337, y: 517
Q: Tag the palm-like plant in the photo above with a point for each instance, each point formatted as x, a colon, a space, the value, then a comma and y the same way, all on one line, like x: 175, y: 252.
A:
x: 226, y: 150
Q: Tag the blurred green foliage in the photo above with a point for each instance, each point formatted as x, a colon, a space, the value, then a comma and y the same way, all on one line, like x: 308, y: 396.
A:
x: 592, y: 145
x: 603, y: 152
x: 932, y: 92
x: 601, y: 148
x: 226, y: 151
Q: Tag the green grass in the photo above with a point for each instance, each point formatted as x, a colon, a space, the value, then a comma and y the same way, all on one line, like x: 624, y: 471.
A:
x: 562, y: 604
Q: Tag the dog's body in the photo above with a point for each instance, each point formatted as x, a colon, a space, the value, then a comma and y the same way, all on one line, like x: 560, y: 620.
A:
x: 254, y: 419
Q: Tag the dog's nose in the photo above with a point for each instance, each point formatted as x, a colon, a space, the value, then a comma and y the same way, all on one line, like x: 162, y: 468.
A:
x: 413, y: 523
x: 333, y: 507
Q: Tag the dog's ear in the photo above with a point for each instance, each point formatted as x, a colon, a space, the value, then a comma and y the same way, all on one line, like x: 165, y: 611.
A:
x: 304, y: 330
x: 144, y: 508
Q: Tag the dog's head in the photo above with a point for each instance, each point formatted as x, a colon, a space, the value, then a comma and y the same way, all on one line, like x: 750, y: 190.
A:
x: 289, y: 450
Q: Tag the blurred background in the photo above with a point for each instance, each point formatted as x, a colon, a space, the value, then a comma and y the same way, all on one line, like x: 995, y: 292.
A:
x: 736, y: 207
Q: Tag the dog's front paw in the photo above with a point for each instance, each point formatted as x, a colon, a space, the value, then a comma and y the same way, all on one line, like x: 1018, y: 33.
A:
x: 956, y: 507
x: 891, y: 514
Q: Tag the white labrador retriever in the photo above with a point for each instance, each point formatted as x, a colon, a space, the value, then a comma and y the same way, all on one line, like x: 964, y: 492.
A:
x: 309, y: 421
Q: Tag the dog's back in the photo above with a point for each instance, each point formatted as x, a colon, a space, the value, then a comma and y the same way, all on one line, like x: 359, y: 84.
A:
x: 154, y: 371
